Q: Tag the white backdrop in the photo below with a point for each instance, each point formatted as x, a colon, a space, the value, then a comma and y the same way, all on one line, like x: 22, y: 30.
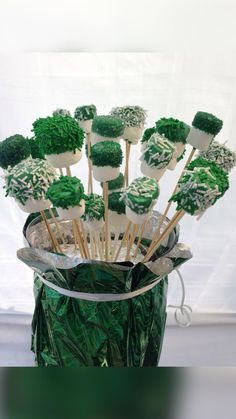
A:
x: 166, y: 84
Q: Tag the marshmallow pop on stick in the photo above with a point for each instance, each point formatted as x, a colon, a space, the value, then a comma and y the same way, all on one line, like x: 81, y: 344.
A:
x: 67, y: 196
x: 107, y: 159
x: 221, y: 155
x: 156, y: 157
x: 117, y: 216
x: 202, y: 184
x: 13, y: 150
x: 175, y: 131
x: 134, y: 118
x: 107, y: 128
x: 204, y: 127
x: 60, y: 139
x: 27, y: 183
x: 139, y: 198
x: 93, y: 219
x: 116, y: 185
x: 84, y: 116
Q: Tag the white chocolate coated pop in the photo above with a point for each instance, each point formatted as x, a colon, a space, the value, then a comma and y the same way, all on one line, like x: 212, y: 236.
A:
x: 136, y: 218
x: 199, y: 139
x: 118, y: 222
x: 152, y: 171
x: 34, y: 205
x: 105, y: 173
x: 72, y: 213
x: 66, y: 159
x: 133, y: 134
x: 86, y: 125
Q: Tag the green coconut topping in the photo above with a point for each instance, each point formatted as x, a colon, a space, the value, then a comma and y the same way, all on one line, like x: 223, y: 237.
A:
x: 66, y: 192
x: 86, y: 112
x: 133, y: 116
x: 108, y: 126
x: 215, y: 170
x: 13, y: 150
x: 207, y: 122
x: 62, y: 112
x: 141, y: 194
x: 158, y: 152
x: 29, y: 179
x: 198, y: 189
x: 116, y: 202
x: 221, y: 155
x: 116, y: 183
x: 147, y: 134
x: 173, y: 129
x: 106, y: 153
x: 58, y: 134
x: 94, y: 207
x: 36, y: 152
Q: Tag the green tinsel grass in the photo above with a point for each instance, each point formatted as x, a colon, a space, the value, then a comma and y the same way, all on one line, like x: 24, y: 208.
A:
x: 13, y: 150
x: 86, y: 112
x: 147, y: 134
x: 94, y: 207
x: 108, y: 126
x: 58, y: 134
x: 66, y: 192
x: 106, y: 153
x: 207, y: 122
x: 116, y: 183
x: 173, y: 129
x: 116, y: 202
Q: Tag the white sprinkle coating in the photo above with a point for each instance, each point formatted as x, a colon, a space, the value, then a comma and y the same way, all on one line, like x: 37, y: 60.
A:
x: 133, y: 116
x: 221, y: 155
x: 29, y: 179
x: 141, y: 194
x: 159, y: 151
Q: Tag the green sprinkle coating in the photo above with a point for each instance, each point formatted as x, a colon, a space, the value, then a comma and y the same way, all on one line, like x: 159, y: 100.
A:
x: 94, y: 207
x: 158, y: 152
x: 66, y: 192
x: 133, y: 116
x: 86, y: 112
x: 29, y: 179
x: 13, y: 150
x: 62, y: 112
x: 141, y: 194
x: 173, y: 129
x: 116, y: 202
x: 216, y: 171
x: 116, y: 183
x: 58, y: 134
x: 147, y: 134
x: 36, y: 152
x: 200, y: 187
x: 108, y: 126
x: 207, y: 122
x: 106, y: 153
x: 221, y: 155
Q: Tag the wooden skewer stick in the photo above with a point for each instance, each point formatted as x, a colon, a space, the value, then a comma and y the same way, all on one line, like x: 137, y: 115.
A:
x: 125, y: 236
x: 75, y: 234
x: 59, y: 229
x: 68, y: 171
x: 132, y: 238
x: 90, y: 166
x: 173, y: 222
x: 105, y: 191
x: 97, y: 236
x: 80, y: 240
x: 127, y: 155
x: 140, y: 238
x: 164, y: 215
x: 61, y: 172
x: 50, y: 232
x: 84, y: 237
